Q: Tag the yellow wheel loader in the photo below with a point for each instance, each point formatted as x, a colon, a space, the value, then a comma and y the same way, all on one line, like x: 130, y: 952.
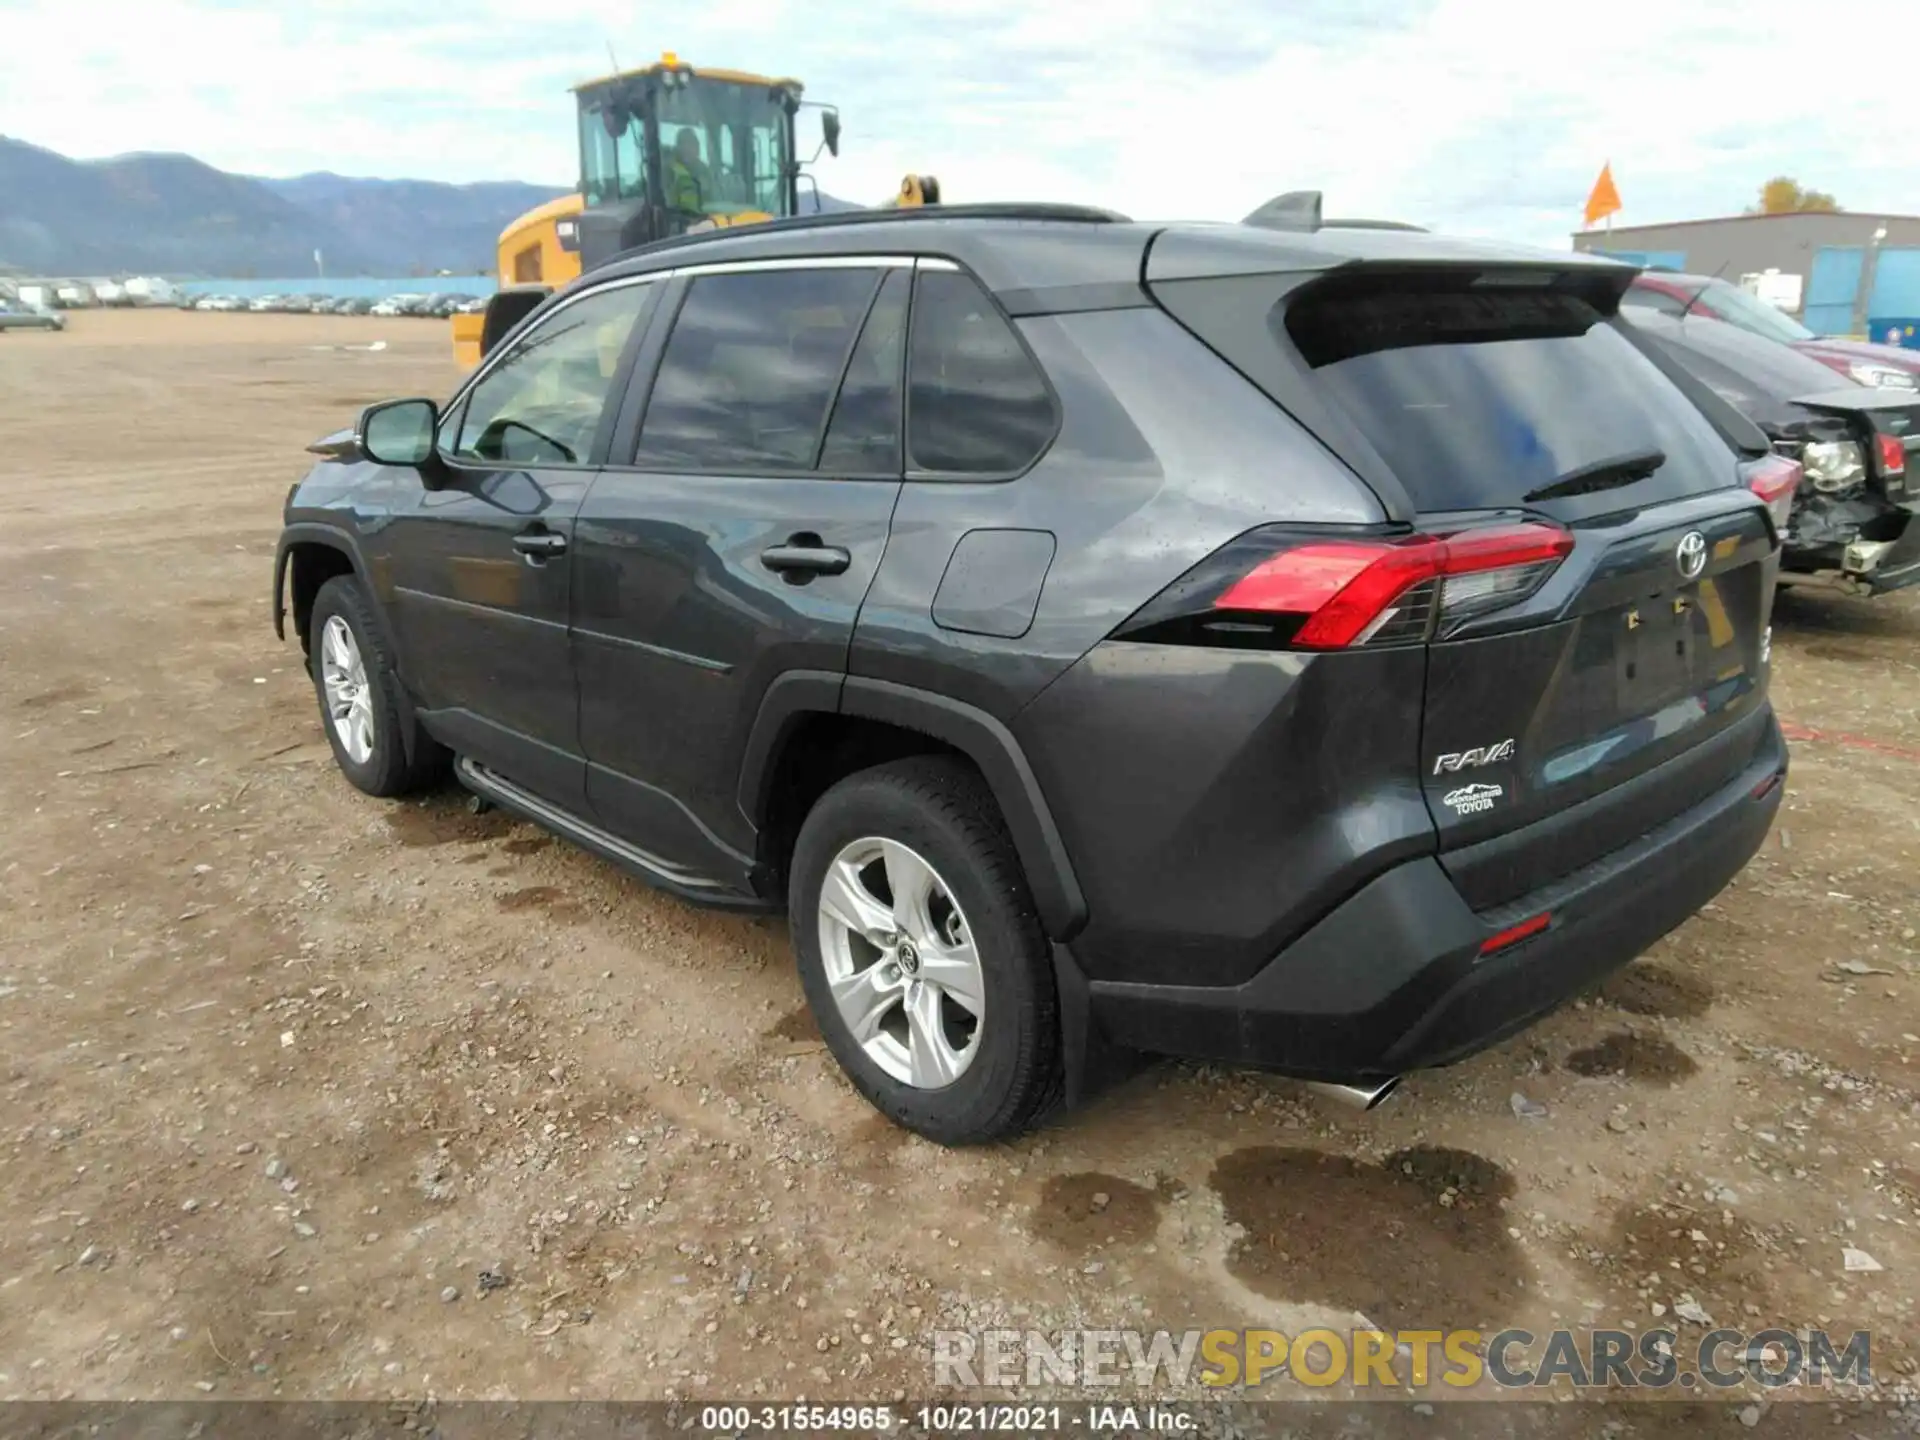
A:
x: 664, y: 150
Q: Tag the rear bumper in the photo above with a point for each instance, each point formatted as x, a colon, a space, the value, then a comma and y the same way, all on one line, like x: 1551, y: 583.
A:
x: 1393, y: 979
x: 1865, y: 567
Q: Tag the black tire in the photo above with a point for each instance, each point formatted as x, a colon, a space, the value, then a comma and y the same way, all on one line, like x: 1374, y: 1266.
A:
x: 404, y: 757
x: 942, y: 810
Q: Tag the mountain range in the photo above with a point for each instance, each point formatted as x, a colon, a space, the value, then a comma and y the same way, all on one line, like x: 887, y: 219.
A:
x: 173, y: 215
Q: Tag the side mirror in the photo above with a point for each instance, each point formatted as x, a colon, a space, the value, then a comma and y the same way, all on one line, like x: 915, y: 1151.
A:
x: 398, y: 432
x: 830, y: 130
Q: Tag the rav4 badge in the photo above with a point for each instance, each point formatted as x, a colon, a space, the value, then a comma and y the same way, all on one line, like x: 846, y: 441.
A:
x: 1468, y: 759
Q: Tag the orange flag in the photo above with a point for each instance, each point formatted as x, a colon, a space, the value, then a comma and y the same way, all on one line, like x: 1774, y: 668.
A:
x: 1605, y: 199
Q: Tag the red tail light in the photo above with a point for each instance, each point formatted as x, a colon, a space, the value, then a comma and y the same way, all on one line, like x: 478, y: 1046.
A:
x: 1275, y: 590
x: 1773, y: 479
x: 1893, y: 454
x: 1347, y: 590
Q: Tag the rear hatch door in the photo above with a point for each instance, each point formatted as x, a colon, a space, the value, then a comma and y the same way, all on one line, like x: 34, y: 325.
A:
x: 1573, y: 706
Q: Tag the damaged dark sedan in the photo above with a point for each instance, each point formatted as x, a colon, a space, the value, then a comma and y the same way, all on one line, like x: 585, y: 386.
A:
x: 1855, y: 524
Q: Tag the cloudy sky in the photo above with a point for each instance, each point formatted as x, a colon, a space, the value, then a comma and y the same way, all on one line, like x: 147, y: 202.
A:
x: 1479, y: 116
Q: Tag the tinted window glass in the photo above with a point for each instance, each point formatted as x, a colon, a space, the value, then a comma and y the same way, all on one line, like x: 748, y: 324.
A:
x: 1750, y: 312
x: 863, y: 437
x: 751, y: 368
x: 1476, y: 397
x: 1770, y: 369
x: 542, y: 403
x: 975, y: 402
x: 1642, y: 297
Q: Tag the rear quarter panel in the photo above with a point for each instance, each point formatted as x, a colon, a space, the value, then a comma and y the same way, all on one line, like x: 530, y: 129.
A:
x: 1163, y: 455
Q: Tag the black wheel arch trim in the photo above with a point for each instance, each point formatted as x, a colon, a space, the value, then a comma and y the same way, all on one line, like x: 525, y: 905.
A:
x: 973, y: 732
x: 307, y: 532
x: 304, y: 532
x: 790, y: 698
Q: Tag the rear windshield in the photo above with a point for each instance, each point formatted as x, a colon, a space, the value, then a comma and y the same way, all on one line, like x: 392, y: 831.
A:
x: 1477, y: 397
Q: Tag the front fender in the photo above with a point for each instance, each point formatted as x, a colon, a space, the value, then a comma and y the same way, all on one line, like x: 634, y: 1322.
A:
x: 309, y: 532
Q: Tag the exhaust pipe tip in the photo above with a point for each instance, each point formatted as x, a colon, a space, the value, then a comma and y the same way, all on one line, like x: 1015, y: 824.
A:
x: 1368, y: 1096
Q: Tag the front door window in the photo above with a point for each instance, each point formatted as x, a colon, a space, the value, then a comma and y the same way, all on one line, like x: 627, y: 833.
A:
x: 542, y: 404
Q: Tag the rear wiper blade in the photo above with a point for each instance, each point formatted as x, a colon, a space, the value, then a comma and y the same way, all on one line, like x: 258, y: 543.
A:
x: 1608, y: 474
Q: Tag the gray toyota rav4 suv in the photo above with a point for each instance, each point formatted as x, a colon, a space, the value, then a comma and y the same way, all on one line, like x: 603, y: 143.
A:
x: 1317, y: 648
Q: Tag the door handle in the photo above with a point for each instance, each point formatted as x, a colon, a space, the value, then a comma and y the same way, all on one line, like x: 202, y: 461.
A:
x: 803, y: 560
x: 539, y: 545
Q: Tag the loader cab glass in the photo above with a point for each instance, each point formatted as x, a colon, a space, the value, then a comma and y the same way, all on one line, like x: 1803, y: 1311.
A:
x: 713, y: 147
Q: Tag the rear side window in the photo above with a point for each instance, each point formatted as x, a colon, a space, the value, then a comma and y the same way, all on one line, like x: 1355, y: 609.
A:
x: 1477, y: 397
x: 976, y: 403
x: 863, y: 437
x: 751, y: 367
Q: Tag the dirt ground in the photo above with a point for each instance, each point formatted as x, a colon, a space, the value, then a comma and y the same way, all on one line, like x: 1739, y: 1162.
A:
x: 286, y: 1069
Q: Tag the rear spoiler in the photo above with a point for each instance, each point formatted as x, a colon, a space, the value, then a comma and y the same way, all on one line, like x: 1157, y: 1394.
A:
x: 1300, y: 210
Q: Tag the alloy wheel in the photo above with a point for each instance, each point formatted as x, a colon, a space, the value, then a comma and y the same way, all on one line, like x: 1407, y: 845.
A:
x: 901, y: 964
x: 343, y: 675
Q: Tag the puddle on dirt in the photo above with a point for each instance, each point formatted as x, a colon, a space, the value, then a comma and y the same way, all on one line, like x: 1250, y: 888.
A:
x: 1740, y: 1273
x: 1660, y: 1250
x: 1643, y: 989
x: 445, y: 823
x: 796, y: 1026
x: 1419, y: 1239
x: 1636, y: 1057
x: 868, y: 1151
x: 527, y: 845
x: 1088, y: 1211
x: 550, y: 899
x: 1842, y: 654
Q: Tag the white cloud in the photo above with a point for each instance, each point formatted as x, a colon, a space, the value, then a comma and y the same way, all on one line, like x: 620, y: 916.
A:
x: 1489, y: 116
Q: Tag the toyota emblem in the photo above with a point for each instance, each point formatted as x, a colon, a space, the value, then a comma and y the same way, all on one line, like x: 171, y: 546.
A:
x: 1690, y: 555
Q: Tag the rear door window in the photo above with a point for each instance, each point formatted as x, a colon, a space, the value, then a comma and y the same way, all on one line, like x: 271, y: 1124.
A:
x: 863, y: 437
x: 976, y: 402
x: 751, y: 368
x: 1476, y: 398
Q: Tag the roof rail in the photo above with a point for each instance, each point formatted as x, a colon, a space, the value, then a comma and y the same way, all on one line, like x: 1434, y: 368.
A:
x: 1082, y: 214
x: 1299, y: 210
x: 1371, y: 225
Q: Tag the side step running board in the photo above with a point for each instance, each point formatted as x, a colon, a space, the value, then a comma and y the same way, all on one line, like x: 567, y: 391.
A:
x: 701, y: 889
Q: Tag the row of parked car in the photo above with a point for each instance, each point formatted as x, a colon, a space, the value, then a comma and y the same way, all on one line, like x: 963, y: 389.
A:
x: 432, y: 306
x: 1847, y: 410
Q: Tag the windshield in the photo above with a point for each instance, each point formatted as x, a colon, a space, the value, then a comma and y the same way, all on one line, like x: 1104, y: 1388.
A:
x: 732, y: 140
x: 1750, y: 312
x: 726, y: 147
